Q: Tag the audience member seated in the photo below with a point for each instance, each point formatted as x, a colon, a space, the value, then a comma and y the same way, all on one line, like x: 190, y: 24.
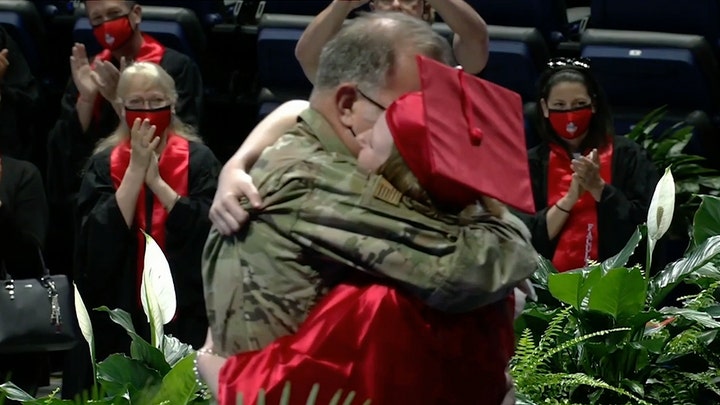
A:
x: 90, y: 111
x: 153, y: 174
x: 19, y: 95
x: 470, y: 43
x: 592, y: 189
x: 23, y: 226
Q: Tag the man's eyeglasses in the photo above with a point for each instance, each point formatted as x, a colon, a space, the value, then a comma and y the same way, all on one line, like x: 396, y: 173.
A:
x: 373, y: 102
x: 571, y: 63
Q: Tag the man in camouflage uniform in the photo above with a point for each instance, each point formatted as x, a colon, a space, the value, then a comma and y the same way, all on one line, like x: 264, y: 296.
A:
x: 322, y: 221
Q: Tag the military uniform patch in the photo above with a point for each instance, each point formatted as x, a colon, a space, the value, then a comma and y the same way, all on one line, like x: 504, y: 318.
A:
x: 387, y: 192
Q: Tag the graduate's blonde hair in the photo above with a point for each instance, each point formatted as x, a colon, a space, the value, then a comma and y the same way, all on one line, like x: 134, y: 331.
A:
x: 146, y: 76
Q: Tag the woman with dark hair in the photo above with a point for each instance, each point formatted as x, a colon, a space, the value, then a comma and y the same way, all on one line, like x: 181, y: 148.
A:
x: 591, y: 188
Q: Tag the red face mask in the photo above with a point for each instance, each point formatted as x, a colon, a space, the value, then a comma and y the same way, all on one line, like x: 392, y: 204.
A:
x: 115, y: 33
x: 570, y: 124
x: 160, y: 117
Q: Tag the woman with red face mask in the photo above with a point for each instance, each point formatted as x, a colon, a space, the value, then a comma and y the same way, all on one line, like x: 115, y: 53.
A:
x: 591, y: 188
x: 153, y: 174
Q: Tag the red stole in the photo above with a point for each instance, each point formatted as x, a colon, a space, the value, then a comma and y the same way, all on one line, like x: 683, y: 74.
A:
x: 173, y: 167
x: 573, y: 242
x: 150, y: 51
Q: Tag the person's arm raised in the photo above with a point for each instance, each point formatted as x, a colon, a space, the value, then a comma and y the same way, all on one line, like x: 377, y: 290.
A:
x: 226, y: 213
x: 471, y: 41
x: 321, y: 30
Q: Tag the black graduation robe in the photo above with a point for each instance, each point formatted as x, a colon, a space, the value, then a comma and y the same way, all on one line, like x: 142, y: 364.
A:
x: 623, y: 206
x: 19, y: 105
x: 69, y: 148
x: 106, y: 251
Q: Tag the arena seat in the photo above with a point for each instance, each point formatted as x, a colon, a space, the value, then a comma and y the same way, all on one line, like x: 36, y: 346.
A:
x: 697, y: 17
x: 23, y: 22
x: 548, y: 16
x: 304, y: 7
x: 280, y: 74
x: 176, y: 28
x: 641, y: 71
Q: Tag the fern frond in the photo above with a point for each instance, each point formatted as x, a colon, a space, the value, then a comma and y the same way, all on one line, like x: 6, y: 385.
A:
x: 569, y: 381
x: 576, y: 341
x: 554, y: 329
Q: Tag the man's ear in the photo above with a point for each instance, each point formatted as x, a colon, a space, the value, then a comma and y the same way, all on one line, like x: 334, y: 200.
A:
x: 345, y: 98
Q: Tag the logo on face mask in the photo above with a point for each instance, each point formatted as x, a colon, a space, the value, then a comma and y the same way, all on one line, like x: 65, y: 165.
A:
x: 115, y: 33
x: 571, y: 124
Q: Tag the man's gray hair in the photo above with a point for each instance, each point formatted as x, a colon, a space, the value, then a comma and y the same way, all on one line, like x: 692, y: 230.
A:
x: 366, y: 49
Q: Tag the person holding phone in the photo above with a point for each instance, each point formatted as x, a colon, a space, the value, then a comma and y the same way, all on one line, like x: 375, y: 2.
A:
x: 152, y: 175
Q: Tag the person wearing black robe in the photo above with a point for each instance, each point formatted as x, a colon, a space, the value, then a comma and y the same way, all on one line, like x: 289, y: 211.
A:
x: 106, y: 266
x: 19, y: 97
x: 89, y: 115
x: 591, y: 188
x: 23, y: 226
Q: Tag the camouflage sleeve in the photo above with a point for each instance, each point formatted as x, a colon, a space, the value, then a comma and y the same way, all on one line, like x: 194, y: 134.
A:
x: 361, y: 221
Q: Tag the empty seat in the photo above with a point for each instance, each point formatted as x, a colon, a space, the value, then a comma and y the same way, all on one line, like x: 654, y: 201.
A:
x: 304, y: 7
x: 641, y: 71
x: 548, y: 16
x: 647, y: 69
x: 517, y: 58
x: 23, y: 23
x: 280, y: 74
x: 176, y: 28
x: 698, y: 17
x: 209, y: 12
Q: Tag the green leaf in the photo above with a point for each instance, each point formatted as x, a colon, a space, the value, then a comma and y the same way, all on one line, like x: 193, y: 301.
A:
x: 707, y: 219
x: 174, y: 350
x: 150, y: 356
x: 118, y: 374
x: 620, y: 293
x: 179, y: 385
x: 121, y: 318
x: 566, y: 287
x: 676, y: 272
x: 621, y: 259
x: 702, y: 318
x: 633, y: 386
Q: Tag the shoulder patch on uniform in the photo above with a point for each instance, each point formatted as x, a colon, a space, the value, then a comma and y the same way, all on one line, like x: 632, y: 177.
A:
x: 387, y: 192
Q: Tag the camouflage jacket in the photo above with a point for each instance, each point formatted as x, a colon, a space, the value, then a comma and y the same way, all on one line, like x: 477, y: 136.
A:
x: 323, y: 220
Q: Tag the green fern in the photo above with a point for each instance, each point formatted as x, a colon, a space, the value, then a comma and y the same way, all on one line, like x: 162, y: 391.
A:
x: 529, y: 364
x: 311, y: 400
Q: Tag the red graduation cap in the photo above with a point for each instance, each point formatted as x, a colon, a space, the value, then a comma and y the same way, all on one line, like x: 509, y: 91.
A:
x: 463, y: 137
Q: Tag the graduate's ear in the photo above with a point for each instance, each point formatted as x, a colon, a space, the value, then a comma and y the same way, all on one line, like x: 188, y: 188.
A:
x: 135, y: 15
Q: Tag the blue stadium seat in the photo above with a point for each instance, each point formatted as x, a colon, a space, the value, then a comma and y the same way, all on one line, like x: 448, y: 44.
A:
x: 548, y: 16
x: 304, y: 7
x: 176, y: 28
x: 641, y: 71
x: 698, y: 17
x: 646, y: 69
x: 280, y: 74
x: 23, y: 23
x: 517, y: 57
x: 209, y: 12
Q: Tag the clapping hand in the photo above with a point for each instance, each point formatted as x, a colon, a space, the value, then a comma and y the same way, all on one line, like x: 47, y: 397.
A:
x: 143, y: 143
x: 587, y: 172
x: 81, y: 73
